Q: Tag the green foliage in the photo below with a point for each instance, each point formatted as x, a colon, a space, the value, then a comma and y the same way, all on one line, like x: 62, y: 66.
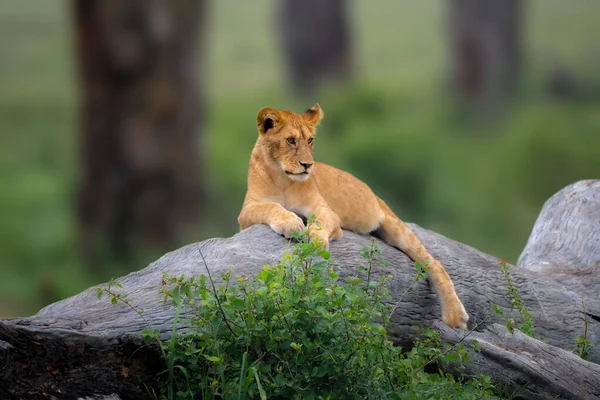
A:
x: 582, y: 344
x: 497, y: 310
x: 527, y: 326
x: 299, y: 330
x: 116, y: 297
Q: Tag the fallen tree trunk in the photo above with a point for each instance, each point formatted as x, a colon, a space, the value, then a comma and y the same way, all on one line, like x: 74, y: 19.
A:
x: 82, y: 346
x: 532, y: 369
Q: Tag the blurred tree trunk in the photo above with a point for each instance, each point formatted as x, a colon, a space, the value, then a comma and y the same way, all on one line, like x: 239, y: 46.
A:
x: 140, y: 113
x: 485, y: 47
x: 316, y: 43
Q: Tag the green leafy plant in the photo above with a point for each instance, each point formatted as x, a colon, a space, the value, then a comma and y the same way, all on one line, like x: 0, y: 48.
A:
x: 527, y: 326
x: 582, y: 344
x: 116, y: 297
x: 299, y: 330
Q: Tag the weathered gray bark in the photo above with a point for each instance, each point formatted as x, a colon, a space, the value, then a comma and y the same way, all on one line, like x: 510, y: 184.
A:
x: 534, y: 369
x: 80, y: 346
x: 565, y: 241
x: 139, y: 68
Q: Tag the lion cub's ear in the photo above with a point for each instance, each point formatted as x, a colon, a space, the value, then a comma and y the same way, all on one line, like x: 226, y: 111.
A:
x: 267, y: 118
x: 313, y: 115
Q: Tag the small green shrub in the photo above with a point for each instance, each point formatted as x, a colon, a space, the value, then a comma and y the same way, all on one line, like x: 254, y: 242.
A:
x: 298, y: 331
x: 582, y: 344
x: 527, y: 326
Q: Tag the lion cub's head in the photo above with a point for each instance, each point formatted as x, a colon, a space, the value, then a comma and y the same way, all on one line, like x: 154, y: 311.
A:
x: 286, y: 140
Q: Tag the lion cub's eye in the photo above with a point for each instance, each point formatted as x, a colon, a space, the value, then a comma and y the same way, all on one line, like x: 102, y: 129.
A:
x: 310, y: 140
x: 291, y: 140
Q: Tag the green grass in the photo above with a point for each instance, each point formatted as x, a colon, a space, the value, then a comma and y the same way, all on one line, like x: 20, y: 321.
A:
x: 479, y: 183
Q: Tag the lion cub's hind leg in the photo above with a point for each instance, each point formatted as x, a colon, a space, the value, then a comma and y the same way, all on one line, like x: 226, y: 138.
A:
x: 396, y: 233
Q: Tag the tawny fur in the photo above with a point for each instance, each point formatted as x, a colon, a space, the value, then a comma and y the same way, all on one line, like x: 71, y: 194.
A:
x: 284, y: 182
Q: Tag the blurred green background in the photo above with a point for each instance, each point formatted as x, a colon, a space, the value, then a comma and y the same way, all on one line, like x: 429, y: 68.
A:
x: 479, y: 180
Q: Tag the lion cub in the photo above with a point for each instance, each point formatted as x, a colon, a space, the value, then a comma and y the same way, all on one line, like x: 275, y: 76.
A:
x: 284, y: 180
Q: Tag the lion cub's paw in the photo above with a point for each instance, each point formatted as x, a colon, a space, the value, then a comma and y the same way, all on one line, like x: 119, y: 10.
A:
x: 454, y: 314
x: 287, y: 226
x: 320, y: 238
x: 337, y: 234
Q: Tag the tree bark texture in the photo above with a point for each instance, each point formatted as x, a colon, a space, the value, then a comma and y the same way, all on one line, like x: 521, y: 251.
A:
x: 82, y: 346
x: 139, y: 70
x: 316, y: 43
x: 532, y: 369
x: 565, y: 241
x: 485, y: 47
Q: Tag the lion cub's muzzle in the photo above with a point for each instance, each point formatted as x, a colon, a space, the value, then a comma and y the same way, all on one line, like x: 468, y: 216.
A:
x: 300, y: 175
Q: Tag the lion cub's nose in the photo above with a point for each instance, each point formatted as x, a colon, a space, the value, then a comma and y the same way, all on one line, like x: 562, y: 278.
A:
x: 306, y: 165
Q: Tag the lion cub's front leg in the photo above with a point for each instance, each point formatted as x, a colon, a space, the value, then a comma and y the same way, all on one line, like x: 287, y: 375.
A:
x: 275, y: 215
x: 326, y: 227
x: 287, y: 225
